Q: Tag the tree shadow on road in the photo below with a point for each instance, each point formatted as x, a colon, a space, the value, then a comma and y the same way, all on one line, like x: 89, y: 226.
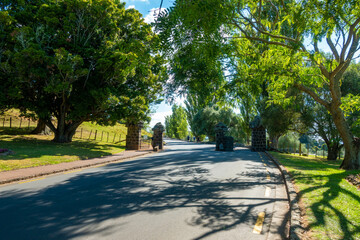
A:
x: 75, y: 207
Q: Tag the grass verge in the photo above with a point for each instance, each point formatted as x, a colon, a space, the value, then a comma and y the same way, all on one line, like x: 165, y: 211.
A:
x: 36, y: 150
x: 91, y: 140
x: 332, y: 205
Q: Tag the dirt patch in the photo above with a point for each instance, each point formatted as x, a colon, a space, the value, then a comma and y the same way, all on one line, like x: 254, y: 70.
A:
x: 354, y: 180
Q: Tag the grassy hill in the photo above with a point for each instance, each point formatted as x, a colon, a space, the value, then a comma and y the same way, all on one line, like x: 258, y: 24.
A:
x: 35, y: 150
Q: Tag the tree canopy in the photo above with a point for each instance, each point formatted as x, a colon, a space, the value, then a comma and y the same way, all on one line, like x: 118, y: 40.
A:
x: 283, y: 37
x: 176, y: 125
x: 83, y: 61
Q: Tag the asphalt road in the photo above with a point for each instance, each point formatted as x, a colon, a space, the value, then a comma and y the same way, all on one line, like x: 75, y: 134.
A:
x: 188, y: 191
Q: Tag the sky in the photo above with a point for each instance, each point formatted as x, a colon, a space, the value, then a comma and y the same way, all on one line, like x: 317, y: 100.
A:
x: 147, y: 8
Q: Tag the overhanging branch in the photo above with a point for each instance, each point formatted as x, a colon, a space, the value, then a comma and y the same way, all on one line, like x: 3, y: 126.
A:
x: 312, y: 94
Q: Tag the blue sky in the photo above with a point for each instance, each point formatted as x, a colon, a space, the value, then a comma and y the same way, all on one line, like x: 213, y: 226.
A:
x: 147, y: 9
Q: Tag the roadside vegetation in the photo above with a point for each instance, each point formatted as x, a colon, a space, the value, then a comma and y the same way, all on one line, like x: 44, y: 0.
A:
x: 330, y: 202
x: 31, y: 150
x: 38, y: 150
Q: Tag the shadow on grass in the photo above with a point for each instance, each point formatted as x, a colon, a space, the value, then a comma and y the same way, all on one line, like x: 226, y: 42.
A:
x: 30, y: 147
x: 333, y: 192
x: 81, y: 206
x: 329, y: 207
x: 15, y: 131
x: 304, y: 163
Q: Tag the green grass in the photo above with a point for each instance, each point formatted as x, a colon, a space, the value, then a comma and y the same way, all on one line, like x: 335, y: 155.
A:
x: 32, y: 150
x: 85, y: 131
x: 37, y: 150
x: 116, y: 133
x: 332, y: 204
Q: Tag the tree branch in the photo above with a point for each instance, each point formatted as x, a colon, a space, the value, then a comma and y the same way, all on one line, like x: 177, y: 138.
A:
x: 349, y: 38
x: 267, y: 33
x: 312, y: 94
x: 333, y: 49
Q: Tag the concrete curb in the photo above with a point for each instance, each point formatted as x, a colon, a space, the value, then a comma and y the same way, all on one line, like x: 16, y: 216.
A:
x: 296, y: 229
x: 34, y: 172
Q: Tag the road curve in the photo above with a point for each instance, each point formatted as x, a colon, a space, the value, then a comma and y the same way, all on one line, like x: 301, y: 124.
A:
x: 188, y: 191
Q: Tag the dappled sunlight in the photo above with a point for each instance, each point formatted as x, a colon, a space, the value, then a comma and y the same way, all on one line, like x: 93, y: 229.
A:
x: 37, y: 150
x: 145, y: 185
x: 332, y: 204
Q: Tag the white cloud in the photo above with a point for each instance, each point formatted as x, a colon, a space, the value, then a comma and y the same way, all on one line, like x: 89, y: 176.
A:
x: 164, y: 110
x: 159, y: 117
x: 131, y: 6
x: 150, y: 17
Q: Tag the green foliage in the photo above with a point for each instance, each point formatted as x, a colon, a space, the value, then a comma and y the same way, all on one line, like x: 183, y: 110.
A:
x: 350, y: 90
x: 206, y: 119
x: 176, y: 125
x: 6, y: 71
x: 267, y: 41
x: 278, y: 120
x: 195, y: 59
x: 85, y: 61
x: 289, y: 141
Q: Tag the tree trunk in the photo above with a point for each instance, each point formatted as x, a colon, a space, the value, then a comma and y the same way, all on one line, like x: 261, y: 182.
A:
x: 351, y: 145
x: 333, y: 152
x: 41, y: 125
x: 64, y: 131
x: 274, y: 141
x: 62, y: 138
x: 66, y: 135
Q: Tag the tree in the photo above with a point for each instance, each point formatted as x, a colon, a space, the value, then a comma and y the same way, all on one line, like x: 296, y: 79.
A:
x: 351, y: 85
x: 320, y: 121
x: 206, y: 119
x: 84, y: 61
x: 176, y: 124
x: 193, y: 105
x: 277, y: 120
x: 284, y: 27
x: 6, y: 71
x: 321, y: 124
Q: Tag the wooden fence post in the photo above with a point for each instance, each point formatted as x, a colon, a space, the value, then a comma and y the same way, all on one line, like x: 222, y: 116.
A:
x: 114, y: 137
x: 107, y: 140
x: 20, y: 122
x: 95, y: 134
x: 102, y: 134
x: 29, y: 124
x: 90, y: 133
x: 4, y: 122
x: 10, y: 122
x: 81, y: 133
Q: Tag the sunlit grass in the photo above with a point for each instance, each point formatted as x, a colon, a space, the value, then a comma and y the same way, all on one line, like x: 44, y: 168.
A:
x: 34, y: 150
x: 332, y: 204
x: 37, y: 150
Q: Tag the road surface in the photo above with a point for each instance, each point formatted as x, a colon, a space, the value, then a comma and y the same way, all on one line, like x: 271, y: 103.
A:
x: 188, y: 191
